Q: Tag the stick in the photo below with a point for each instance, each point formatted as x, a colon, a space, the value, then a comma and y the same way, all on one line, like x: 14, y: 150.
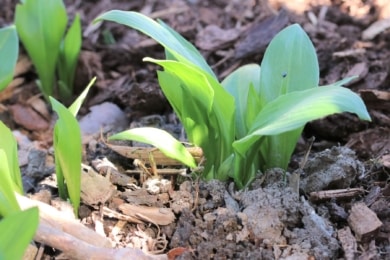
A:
x: 73, y: 238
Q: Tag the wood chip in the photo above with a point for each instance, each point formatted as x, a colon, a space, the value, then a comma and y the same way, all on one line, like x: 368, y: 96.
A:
x: 28, y: 118
x: 364, y: 222
x: 95, y: 188
x: 348, y: 243
x: 159, y: 216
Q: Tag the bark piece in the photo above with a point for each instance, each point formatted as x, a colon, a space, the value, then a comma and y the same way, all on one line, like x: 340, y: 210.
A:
x: 348, y: 242
x: 95, y: 188
x: 260, y: 35
x: 158, y: 216
x: 28, y: 118
x: 363, y: 221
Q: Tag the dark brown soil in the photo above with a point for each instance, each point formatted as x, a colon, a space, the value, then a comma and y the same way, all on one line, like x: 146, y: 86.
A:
x: 275, y: 219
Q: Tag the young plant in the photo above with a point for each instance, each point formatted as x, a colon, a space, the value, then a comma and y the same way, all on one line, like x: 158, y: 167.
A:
x: 67, y: 149
x: 252, y: 120
x: 41, y: 26
x: 9, y: 47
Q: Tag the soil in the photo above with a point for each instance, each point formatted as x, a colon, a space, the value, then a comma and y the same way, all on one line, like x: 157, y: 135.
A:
x: 334, y: 206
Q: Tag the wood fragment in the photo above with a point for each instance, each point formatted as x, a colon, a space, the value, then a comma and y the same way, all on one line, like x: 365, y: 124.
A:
x: 159, y: 216
x: 345, y: 194
x: 348, y: 243
x: 364, y: 222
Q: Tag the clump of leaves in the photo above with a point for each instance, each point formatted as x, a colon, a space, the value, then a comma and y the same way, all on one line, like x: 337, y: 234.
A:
x: 41, y: 26
x: 68, y: 149
x: 251, y: 120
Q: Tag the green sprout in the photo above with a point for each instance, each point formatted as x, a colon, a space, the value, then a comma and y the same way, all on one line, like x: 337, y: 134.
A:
x: 9, y: 48
x: 41, y: 27
x: 68, y: 149
x: 17, y: 227
x: 252, y: 120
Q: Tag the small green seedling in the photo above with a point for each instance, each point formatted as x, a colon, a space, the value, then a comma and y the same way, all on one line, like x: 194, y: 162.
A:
x: 9, y: 48
x: 41, y: 26
x: 67, y: 149
x: 17, y: 231
x: 9, y: 161
x: 252, y: 120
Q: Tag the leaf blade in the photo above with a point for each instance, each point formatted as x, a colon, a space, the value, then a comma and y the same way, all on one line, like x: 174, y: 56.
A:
x: 9, y: 48
x: 293, y: 110
x: 161, y: 139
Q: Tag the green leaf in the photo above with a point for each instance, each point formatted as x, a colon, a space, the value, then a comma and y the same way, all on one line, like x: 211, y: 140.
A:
x: 174, y: 43
x: 9, y: 48
x: 68, y: 57
x: 9, y: 145
x: 74, y: 108
x: 41, y: 25
x: 17, y: 231
x: 289, y: 64
x: 67, y: 148
x: 294, y: 110
x: 238, y: 84
x: 8, y: 202
x: 160, y: 139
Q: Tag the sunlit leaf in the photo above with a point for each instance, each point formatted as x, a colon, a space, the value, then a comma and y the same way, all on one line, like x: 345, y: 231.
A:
x: 74, y: 108
x: 161, y: 139
x: 67, y: 148
x: 289, y: 64
x: 17, y: 231
x: 180, y: 48
x: 41, y: 25
x: 294, y: 110
x: 8, y: 202
x: 9, y: 146
x: 9, y: 48
x: 68, y: 57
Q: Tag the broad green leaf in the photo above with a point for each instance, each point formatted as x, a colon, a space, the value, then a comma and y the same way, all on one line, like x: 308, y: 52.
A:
x: 74, y: 108
x: 174, y: 43
x: 67, y: 147
x: 41, y: 25
x: 161, y: 139
x: 295, y: 109
x: 68, y: 56
x: 289, y: 64
x: 9, y: 145
x: 277, y: 149
x: 247, y: 102
x: 8, y: 202
x: 9, y: 48
x: 17, y: 231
